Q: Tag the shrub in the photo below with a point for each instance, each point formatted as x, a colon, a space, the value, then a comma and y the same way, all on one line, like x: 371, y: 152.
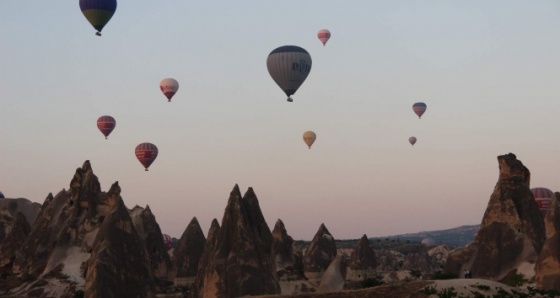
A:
x: 443, y: 275
x: 371, y: 282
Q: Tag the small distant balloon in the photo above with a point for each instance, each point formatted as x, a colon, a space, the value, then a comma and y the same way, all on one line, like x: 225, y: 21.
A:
x: 168, y: 241
x: 2, y: 195
x: 289, y: 66
x: 169, y: 87
x: 419, y: 108
x: 309, y: 138
x: 324, y: 35
x: 106, y: 124
x: 146, y: 154
x: 412, y: 140
x: 98, y: 12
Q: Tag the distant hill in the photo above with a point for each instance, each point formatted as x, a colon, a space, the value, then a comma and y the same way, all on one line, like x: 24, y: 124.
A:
x: 456, y: 237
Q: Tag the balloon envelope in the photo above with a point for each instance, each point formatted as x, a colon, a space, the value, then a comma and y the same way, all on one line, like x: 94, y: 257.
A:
x: 419, y: 108
x: 98, y: 12
x: 309, y: 138
x: 106, y: 124
x: 324, y: 36
x: 168, y: 241
x: 289, y: 66
x: 146, y: 154
x: 543, y: 197
x: 169, y: 87
x: 412, y: 140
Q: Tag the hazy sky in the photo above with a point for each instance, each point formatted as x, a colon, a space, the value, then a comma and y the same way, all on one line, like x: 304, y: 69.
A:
x: 488, y: 70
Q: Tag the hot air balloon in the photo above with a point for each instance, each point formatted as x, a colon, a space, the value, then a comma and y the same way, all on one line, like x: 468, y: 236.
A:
x: 169, y: 87
x: 289, y: 66
x: 412, y: 140
x: 543, y: 197
x: 309, y: 138
x: 324, y: 35
x: 168, y: 241
x: 146, y: 154
x: 98, y: 12
x: 419, y: 108
x: 2, y: 195
x: 106, y: 124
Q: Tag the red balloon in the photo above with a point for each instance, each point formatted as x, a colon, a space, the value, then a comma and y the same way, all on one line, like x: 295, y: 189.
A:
x: 167, y: 241
x: 106, y: 124
x: 543, y: 196
x: 146, y: 154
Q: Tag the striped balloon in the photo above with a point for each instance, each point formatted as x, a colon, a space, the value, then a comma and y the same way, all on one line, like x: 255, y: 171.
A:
x: 289, y: 66
x: 106, y: 124
x: 169, y: 87
x: 419, y: 108
x: 543, y: 196
x: 146, y: 154
x: 324, y: 35
x: 168, y: 241
x: 98, y: 12
x: 412, y: 140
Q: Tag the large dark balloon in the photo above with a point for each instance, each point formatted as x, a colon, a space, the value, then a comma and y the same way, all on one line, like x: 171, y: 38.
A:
x: 1, y: 195
x: 289, y: 66
x: 98, y: 12
x: 106, y: 124
x: 419, y: 108
x: 146, y: 154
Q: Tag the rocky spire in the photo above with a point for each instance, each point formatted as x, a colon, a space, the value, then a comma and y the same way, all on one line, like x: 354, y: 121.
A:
x: 240, y: 262
x: 204, y: 263
x: 282, y: 247
x: 189, y: 250
x: 362, y: 262
x: 147, y: 227
x: 10, y: 245
x: 547, y: 269
x: 512, y: 229
x: 119, y: 265
x: 319, y: 254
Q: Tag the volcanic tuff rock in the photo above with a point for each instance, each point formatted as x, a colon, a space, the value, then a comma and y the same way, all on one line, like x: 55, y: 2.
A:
x: 547, y: 269
x: 240, y: 261
x: 83, y: 238
x: 282, y: 247
x: 8, y: 210
x: 204, y: 262
x: 334, y: 276
x: 189, y: 250
x: 512, y: 230
x: 362, y: 261
x: 12, y: 242
x: 319, y: 255
x: 147, y: 227
x: 119, y: 264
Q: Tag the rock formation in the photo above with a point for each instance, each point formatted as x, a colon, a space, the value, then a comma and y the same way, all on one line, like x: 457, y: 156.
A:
x: 186, y: 256
x: 12, y: 242
x: 204, y: 262
x: 240, y: 261
x: 282, y: 248
x: 8, y: 210
x: 319, y: 255
x: 119, y: 265
x: 334, y: 277
x: 147, y: 227
x: 512, y: 230
x: 81, y: 234
x: 362, y: 262
x: 547, y: 269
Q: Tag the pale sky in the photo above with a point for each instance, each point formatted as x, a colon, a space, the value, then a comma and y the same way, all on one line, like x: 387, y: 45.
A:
x: 488, y: 71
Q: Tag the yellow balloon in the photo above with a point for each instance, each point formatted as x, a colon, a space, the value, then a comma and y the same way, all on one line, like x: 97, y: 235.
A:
x: 309, y: 138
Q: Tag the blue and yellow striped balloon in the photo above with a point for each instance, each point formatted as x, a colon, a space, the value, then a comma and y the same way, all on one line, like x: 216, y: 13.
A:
x: 98, y: 12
